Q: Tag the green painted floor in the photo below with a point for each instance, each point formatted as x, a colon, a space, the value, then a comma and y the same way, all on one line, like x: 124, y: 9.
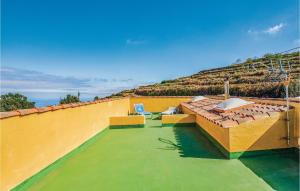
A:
x: 162, y: 158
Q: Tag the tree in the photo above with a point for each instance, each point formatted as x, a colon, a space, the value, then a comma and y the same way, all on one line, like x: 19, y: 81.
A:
x: 69, y: 99
x: 268, y: 56
x: 14, y: 101
x: 96, y: 98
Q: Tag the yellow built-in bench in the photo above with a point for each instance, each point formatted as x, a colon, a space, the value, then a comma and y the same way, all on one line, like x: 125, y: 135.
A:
x: 178, y: 119
x: 126, y: 121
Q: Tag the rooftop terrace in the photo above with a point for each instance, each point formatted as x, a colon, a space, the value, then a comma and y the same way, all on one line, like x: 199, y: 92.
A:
x: 162, y: 158
x: 103, y: 145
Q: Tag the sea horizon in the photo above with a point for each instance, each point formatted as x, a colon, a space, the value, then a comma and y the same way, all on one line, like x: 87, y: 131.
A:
x: 43, y: 102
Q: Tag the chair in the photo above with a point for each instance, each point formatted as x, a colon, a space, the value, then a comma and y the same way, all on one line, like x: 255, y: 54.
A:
x: 139, y: 109
x: 170, y: 111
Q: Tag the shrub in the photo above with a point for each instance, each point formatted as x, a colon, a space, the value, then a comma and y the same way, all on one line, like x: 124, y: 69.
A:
x: 69, y: 99
x: 13, y: 101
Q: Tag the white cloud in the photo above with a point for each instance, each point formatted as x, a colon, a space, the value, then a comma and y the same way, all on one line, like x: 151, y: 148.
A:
x: 40, y: 85
x: 135, y: 42
x: 274, y: 29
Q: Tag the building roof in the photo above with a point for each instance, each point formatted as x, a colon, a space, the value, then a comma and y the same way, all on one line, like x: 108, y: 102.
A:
x: 207, y: 109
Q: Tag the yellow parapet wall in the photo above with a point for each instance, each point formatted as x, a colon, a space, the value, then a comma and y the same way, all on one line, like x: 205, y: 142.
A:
x: 263, y: 134
x: 294, y: 102
x: 32, y: 140
x: 127, y: 120
x: 158, y: 104
x: 178, y: 118
x: 220, y: 134
x: 30, y: 143
x: 258, y: 135
x: 295, y: 133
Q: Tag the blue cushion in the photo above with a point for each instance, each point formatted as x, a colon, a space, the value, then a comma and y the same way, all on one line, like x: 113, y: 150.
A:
x: 139, y: 108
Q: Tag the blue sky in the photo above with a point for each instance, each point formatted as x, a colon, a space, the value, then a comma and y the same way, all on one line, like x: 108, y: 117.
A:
x: 54, y: 47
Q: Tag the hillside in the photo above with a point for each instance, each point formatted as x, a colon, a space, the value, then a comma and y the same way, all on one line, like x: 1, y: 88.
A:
x: 253, y: 78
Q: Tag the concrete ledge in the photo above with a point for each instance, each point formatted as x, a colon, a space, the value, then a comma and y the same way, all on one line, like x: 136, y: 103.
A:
x: 178, y: 118
x: 127, y: 121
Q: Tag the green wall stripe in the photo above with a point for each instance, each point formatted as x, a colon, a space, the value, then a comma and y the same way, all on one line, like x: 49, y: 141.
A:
x: 235, y: 155
x: 126, y: 126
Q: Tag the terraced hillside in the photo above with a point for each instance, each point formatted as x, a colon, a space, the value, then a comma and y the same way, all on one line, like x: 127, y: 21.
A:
x: 253, y: 78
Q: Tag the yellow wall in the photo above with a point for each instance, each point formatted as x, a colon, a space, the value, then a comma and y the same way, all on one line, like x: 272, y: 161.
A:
x: 157, y: 104
x: 295, y: 133
x: 295, y: 138
x: 294, y: 129
x: 178, y: 118
x: 263, y: 134
x: 127, y: 120
x: 260, y: 134
x: 220, y: 134
x: 32, y: 142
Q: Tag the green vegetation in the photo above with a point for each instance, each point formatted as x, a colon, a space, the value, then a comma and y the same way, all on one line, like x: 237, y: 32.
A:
x: 69, y: 99
x: 14, y: 101
x: 250, y: 78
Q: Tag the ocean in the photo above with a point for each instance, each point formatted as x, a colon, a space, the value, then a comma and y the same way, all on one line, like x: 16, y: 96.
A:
x: 47, y: 102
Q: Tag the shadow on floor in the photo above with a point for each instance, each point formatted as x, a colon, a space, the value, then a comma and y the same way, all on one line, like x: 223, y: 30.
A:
x: 191, y: 143
x: 280, y: 171
x: 170, y: 145
x: 154, y: 122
